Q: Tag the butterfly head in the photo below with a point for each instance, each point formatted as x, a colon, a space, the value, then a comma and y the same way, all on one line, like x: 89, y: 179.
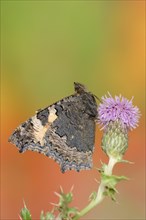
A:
x: 79, y: 88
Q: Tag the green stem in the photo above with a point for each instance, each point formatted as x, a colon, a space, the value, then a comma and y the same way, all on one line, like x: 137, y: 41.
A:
x: 100, y: 194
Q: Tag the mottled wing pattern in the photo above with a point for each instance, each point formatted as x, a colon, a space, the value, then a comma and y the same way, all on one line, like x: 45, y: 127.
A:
x: 63, y: 131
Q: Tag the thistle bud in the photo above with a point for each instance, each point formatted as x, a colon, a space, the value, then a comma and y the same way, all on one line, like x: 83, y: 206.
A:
x: 115, y: 140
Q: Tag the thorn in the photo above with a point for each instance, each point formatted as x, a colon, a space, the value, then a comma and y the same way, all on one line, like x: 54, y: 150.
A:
x: 109, y: 94
x: 61, y: 189
x: 97, y: 181
x: 126, y: 161
x: 57, y: 194
x: 72, y: 188
x: 54, y: 204
x: 117, y: 191
x: 53, y: 209
x: 24, y: 204
x: 20, y: 217
x: 132, y: 98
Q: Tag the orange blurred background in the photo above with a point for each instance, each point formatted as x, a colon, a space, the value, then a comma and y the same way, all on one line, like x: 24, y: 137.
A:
x: 46, y: 46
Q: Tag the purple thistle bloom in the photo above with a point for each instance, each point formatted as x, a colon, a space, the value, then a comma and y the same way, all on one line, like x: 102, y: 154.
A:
x: 118, y: 108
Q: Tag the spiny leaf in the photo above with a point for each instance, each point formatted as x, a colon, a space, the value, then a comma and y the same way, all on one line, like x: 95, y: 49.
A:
x: 103, y: 168
x: 63, y: 206
x: 111, y: 193
x: 112, y: 180
x: 25, y: 213
x: 42, y: 217
x: 110, y: 183
x: 48, y: 216
x: 65, y: 198
x: 72, y: 210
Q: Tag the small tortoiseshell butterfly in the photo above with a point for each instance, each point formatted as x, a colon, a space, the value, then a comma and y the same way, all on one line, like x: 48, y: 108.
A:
x: 64, y: 131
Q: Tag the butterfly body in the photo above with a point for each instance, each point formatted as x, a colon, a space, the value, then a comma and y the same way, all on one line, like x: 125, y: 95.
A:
x: 64, y: 131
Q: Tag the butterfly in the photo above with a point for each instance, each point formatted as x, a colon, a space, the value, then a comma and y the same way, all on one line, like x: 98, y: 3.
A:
x: 64, y: 131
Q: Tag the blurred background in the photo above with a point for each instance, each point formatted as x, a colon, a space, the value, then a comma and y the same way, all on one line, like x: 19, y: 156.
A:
x: 46, y: 46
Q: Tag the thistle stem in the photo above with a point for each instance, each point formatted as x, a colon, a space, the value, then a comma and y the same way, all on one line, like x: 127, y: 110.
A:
x: 100, y: 193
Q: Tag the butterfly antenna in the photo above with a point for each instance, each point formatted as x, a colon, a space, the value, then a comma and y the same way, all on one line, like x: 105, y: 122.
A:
x: 97, y: 98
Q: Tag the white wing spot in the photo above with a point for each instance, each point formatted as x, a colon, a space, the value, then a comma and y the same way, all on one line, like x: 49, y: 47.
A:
x: 52, y: 114
x: 39, y: 130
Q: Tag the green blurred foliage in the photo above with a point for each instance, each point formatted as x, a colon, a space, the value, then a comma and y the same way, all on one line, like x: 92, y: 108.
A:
x: 25, y: 213
x: 47, y: 45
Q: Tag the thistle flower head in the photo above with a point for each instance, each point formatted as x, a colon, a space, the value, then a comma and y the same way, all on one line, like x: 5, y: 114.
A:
x: 118, y: 108
x: 117, y: 116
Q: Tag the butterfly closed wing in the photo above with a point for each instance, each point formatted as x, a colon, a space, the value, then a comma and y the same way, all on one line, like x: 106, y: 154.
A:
x: 64, y: 131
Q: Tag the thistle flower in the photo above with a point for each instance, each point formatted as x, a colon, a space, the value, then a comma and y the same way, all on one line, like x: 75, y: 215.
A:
x: 117, y: 116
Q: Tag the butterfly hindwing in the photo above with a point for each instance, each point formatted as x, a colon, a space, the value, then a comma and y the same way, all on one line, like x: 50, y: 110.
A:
x: 64, y: 131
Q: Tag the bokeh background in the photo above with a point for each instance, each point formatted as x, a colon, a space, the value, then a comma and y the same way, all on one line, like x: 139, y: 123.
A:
x: 46, y: 46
